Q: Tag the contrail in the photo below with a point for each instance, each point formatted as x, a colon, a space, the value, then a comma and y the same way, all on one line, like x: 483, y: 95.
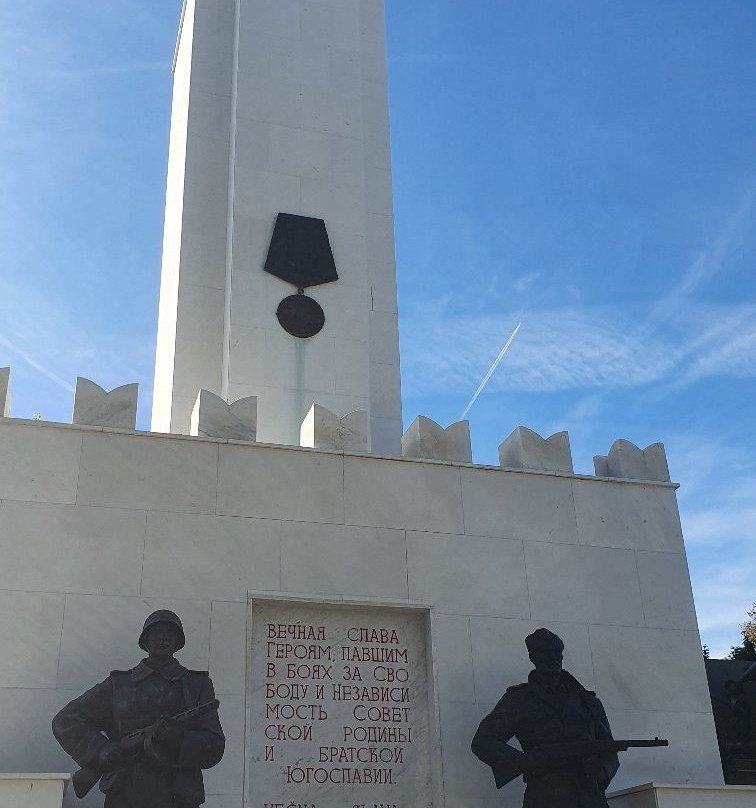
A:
x: 44, y: 371
x: 490, y: 373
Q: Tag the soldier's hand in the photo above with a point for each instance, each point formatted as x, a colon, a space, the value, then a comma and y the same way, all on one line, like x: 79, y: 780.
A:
x: 169, y: 733
x: 109, y: 756
x: 532, y: 759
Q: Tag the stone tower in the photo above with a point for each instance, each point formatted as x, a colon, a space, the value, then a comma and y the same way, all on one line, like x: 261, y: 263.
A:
x: 280, y: 106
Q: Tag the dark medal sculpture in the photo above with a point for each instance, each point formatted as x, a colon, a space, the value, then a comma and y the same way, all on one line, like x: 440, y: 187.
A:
x: 300, y: 253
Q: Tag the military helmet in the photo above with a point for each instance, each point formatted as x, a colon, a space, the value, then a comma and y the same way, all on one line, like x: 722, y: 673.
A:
x: 162, y: 616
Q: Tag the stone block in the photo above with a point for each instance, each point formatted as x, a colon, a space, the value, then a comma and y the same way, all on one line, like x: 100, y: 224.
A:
x: 227, y: 777
x: 429, y: 440
x: 339, y: 560
x: 525, y: 449
x: 39, y: 463
x: 272, y: 483
x: 649, y: 669
x: 532, y: 507
x: 30, y: 629
x: 228, y: 647
x: 213, y: 418
x: 401, y: 494
x: 209, y: 557
x: 148, y: 473
x: 101, y: 634
x: 583, y: 584
x: 452, y: 657
x: 5, y: 393
x: 65, y: 548
x: 93, y: 406
x: 627, y: 461
x: 467, y: 574
x: 673, y: 795
x: 33, y: 790
x: 323, y: 429
x: 665, y: 590
x: 638, y: 517
x: 500, y: 657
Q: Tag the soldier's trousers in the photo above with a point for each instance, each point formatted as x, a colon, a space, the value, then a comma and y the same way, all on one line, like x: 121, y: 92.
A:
x: 145, y: 786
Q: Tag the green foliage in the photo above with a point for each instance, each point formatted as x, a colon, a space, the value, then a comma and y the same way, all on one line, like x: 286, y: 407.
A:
x: 746, y: 651
x: 705, y: 651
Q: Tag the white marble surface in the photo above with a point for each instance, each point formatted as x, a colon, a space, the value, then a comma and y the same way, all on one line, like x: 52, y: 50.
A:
x: 33, y: 790
x: 323, y: 429
x: 670, y: 795
x: 426, y: 439
x: 94, y: 406
x: 212, y: 417
x: 525, y: 449
x: 5, y: 393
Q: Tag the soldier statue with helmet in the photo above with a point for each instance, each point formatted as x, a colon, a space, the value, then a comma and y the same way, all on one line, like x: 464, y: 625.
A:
x: 146, y: 733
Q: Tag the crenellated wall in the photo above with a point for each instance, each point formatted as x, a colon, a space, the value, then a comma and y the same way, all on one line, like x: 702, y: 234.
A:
x: 100, y: 526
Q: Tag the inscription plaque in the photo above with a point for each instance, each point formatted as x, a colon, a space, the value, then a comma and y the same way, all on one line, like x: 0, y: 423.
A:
x: 338, y: 705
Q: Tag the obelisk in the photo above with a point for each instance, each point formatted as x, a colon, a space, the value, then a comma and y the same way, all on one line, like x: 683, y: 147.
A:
x: 279, y: 107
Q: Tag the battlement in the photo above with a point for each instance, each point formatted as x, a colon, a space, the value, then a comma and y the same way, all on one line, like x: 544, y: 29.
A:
x: 424, y: 439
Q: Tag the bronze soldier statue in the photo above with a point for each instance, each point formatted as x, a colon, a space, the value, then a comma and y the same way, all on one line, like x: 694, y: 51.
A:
x: 567, y: 758
x: 146, y: 734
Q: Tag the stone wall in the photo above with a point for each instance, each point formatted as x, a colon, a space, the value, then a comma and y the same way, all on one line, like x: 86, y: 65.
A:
x: 98, y: 527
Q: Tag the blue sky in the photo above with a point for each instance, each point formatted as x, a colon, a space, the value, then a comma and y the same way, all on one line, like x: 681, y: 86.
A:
x: 585, y: 168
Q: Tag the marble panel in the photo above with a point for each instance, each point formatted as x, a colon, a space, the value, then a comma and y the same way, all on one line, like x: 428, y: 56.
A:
x: 467, y: 574
x: 452, y: 657
x: 640, y: 517
x: 213, y: 29
x: 181, y: 414
x: 379, y: 236
x: 205, y: 209
x: 351, y: 376
x: 402, y: 494
x: 278, y: 18
x: 261, y: 193
x: 268, y: 101
x: 693, y: 753
x: 360, y: 646
x: 26, y: 742
x: 209, y: 117
x: 297, y: 364
x: 228, y: 647
x: 101, y: 634
x: 280, y: 484
x: 517, y: 505
x: 203, y: 260
x: 252, y: 149
x: 666, y: 795
x: 345, y: 306
x: 332, y: 23
x: 324, y: 111
x: 666, y: 591
x: 213, y: 418
x: 384, y: 337
x: 382, y: 285
x: 33, y: 791
x: 347, y: 161
x: 291, y: 60
x: 228, y: 776
x: 197, y: 367
x: 65, y: 548
x: 628, y: 461
x: 633, y: 668
x: 200, y: 313
x: 341, y: 206
x: 94, y: 406
x: 145, y: 473
x: 378, y: 191
x: 583, y: 584
x: 5, y: 393
x: 40, y: 463
x: 210, y: 557
x: 385, y: 391
x: 500, y: 657
x: 339, y: 560
x: 323, y: 429
x: 299, y: 152
x: 386, y: 436
x: 30, y: 625
x: 223, y: 800
x: 212, y: 70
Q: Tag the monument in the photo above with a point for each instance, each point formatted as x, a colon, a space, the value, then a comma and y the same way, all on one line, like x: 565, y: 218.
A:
x: 359, y: 596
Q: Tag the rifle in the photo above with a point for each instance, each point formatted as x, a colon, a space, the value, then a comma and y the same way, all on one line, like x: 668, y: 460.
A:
x: 584, y: 749
x: 130, y: 747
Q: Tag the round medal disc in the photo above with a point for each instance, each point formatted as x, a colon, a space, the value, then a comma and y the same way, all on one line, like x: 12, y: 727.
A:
x: 300, y: 316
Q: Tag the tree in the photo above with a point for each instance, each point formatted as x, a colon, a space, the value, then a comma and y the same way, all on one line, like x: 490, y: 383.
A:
x: 749, y: 627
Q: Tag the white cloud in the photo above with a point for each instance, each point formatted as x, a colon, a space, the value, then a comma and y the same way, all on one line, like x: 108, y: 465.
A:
x: 523, y: 283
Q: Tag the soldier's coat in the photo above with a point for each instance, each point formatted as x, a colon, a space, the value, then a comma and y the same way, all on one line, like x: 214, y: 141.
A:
x: 537, y: 717
x: 134, y: 699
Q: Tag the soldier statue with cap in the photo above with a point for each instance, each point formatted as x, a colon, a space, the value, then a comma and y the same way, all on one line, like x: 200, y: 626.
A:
x: 558, y: 724
x: 145, y: 734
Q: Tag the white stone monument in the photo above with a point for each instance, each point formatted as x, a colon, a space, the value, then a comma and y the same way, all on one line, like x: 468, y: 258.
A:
x: 280, y: 107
